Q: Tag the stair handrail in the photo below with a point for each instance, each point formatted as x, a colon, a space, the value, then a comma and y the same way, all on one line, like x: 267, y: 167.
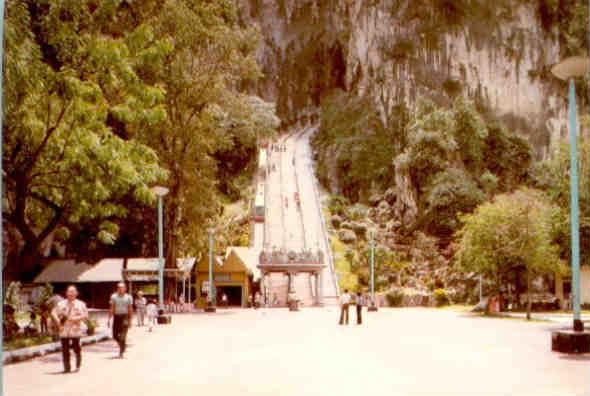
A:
x: 324, y: 231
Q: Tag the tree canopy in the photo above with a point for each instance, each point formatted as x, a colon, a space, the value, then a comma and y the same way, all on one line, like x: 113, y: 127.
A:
x: 106, y: 99
x: 515, y: 230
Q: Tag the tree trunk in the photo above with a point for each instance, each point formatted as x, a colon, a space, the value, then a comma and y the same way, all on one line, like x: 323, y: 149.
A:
x: 170, y: 250
x: 528, y: 294
x: 26, y: 266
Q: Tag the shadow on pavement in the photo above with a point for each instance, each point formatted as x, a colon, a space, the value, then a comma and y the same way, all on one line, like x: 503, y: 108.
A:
x: 53, y: 358
x: 100, y: 347
x: 582, y: 358
x: 60, y: 372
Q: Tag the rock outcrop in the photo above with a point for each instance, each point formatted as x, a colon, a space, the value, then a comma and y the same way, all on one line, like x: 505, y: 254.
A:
x: 386, y: 49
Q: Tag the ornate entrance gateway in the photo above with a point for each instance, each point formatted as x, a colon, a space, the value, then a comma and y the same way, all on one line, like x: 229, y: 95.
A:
x: 292, y: 264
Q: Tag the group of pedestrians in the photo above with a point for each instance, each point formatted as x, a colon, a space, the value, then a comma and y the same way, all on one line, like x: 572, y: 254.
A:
x: 70, y: 313
x: 346, y: 300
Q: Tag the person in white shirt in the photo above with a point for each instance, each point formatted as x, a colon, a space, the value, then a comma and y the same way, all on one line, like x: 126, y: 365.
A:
x: 152, y: 314
x: 344, y: 304
x: 140, y: 303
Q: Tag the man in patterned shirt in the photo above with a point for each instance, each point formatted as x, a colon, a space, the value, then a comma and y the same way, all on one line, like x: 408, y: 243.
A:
x: 69, y: 314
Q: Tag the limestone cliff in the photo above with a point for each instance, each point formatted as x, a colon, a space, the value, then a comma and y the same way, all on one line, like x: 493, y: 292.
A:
x: 396, y: 50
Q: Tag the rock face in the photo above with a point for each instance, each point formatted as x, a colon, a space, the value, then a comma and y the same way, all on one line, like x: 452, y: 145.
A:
x: 381, y: 48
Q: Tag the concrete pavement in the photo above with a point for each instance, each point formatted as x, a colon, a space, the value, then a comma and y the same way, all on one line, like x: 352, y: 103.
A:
x: 276, y: 352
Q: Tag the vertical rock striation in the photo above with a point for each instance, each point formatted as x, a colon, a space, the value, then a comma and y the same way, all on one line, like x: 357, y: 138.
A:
x: 397, y: 50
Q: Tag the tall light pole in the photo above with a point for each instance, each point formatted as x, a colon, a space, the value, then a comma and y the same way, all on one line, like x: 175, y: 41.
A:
x: 372, y: 307
x: 568, y: 70
x: 210, y: 306
x: 160, y: 192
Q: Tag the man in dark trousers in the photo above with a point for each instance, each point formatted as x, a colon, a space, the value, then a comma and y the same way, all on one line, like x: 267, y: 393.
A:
x: 344, y: 304
x: 122, y: 313
x: 69, y: 314
x: 360, y: 302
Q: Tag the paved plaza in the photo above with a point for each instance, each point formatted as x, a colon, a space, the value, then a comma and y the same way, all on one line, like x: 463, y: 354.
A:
x: 276, y: 352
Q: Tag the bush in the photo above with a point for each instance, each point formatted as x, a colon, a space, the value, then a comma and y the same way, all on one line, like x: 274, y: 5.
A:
x: 346, y: 224
x: 91, y: 325
x: 359, y: 229
x: 441, y: 298
x: 347, y: 236
x: 336, y: 221
x: 337, y: 205
x: 394, y: 298
x: 357, y: 212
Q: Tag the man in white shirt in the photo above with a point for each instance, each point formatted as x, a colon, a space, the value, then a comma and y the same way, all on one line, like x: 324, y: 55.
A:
x: 140, y: 307
x: 344, y: 304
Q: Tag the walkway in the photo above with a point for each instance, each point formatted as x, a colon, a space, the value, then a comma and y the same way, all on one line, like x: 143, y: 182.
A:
x: 279, y: 353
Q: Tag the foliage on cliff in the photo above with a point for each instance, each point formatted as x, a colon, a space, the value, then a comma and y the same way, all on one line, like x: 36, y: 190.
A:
x: 455, y: 157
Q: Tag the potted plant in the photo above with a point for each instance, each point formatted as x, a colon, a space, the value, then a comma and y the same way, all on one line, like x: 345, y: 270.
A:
x: 91, y: 325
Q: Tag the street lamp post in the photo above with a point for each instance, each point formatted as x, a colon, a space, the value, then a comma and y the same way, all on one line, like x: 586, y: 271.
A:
x: 578, y: 340
x: 160, y: 192
x: 210, y: 306
x: 372, y: 307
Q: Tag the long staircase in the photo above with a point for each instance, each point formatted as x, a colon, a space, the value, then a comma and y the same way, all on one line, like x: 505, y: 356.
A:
x: 293, y: 226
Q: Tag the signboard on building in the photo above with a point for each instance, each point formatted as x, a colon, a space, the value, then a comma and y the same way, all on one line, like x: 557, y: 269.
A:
x: 222, y: 277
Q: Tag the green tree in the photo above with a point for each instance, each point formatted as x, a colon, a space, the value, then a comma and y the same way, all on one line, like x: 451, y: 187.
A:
x: 448, y: 194
x: 211, y: 56
x: 387, y: 265
x: 513, y: 231
x: 65, y: 79
x: 551, y: 176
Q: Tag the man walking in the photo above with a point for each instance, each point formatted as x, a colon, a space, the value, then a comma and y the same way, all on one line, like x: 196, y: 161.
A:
x: 344, y: 304
x: 140, y: 307
x: 360, y: 302
x: 69, y: 314
x: 122, y: 313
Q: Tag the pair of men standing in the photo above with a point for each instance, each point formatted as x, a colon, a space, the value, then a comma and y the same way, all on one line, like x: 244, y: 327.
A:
x: 345, y: 301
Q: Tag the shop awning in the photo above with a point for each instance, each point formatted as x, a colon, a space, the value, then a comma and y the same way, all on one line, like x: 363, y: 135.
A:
x: 70, y: 271
x: 146, y: 269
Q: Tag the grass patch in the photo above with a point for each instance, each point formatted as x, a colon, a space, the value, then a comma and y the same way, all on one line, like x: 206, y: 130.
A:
x: 501, y: 316
x: 24, y: 342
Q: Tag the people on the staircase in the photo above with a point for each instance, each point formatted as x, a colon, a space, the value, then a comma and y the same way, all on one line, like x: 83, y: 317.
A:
x: 344, y: 304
